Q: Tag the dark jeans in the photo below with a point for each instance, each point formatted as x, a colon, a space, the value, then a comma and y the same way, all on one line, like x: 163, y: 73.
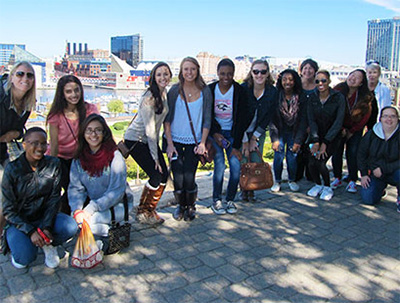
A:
x: 373, y: 194
x: 141, y: 154
x: 184, y: 168
x: 318, y: 168
x: 65, y: 169
x: 351, y: 156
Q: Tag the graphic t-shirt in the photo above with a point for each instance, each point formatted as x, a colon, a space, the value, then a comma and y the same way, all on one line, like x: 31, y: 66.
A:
x: 223, y: 108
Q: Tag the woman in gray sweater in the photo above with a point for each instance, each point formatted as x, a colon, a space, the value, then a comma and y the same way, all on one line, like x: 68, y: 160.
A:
x: 142, y: 138
x: 184, y: 143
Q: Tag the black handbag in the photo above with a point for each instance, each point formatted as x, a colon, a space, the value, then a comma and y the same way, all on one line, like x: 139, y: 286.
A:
x: 119, y: 234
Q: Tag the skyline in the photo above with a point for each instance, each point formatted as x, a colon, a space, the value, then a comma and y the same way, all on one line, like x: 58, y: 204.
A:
x: 178, y: 28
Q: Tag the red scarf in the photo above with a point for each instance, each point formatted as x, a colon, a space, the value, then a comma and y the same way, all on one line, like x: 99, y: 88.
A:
x: 95, y: 163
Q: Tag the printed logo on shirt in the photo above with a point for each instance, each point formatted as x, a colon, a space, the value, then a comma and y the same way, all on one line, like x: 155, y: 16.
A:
x: 223, y: 108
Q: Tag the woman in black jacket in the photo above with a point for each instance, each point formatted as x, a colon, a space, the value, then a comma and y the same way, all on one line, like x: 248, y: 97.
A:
x: 31, y: 198
x: 263, y: 100
x: 325, y: 116
x: 288, y: 126
x: 379, y: 158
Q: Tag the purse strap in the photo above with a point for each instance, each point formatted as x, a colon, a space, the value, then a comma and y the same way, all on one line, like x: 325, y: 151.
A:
x: 258, y: 153
x: 126, y: 215
x: 70, y: 128
x: 190, y: 117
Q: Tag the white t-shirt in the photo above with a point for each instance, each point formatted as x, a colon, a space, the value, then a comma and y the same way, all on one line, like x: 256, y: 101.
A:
x: 223, y: 108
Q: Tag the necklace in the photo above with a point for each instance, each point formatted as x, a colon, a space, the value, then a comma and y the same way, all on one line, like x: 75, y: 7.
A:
x: 189, y: 95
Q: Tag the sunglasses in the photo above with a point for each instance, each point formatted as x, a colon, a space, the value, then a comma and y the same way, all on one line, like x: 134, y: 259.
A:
x: 372, y: 62
x: 263, y: 71
x: 322, y: 81
x: 21, y: 74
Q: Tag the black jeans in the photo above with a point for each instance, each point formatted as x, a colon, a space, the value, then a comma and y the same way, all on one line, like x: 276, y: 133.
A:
x: 141, y: 154
x: 184, y: 168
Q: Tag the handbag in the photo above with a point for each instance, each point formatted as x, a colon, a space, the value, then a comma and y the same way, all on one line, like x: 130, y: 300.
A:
x: 123, y: 149
x: 119, y: 234
x: 210, y: 151
x: 255, y: 176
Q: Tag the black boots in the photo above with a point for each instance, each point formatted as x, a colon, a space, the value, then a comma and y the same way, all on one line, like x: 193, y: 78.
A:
x: 191, y: 197
x: 186, y: 208
x: 181, y: 201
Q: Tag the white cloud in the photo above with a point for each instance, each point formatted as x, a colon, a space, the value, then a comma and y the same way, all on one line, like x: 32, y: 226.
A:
x: 393, y: 5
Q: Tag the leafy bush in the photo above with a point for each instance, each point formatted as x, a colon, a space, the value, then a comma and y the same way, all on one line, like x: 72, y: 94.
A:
x: 120, y: 125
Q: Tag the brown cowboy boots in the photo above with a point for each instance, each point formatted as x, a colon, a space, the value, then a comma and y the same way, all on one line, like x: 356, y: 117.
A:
x: 146, y: 212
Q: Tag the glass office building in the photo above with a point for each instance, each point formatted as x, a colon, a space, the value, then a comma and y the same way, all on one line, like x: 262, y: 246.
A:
x: 383, y: 44
x: 128, y: 48
x: 6, y: 51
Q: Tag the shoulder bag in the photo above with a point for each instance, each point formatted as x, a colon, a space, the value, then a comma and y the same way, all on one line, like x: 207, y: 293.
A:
x: 255, y: 176
x: 123, y: 149
x: 119, y: 234
x: 210, y: 151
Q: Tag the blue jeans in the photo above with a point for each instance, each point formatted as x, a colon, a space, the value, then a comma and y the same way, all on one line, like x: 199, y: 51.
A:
x: 373, y: 194
x: 21, y: 246
x: 219, y: 169
x: 285, y: 140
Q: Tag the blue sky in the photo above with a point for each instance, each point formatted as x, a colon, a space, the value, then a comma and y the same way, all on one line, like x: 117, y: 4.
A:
x: 329, y: 30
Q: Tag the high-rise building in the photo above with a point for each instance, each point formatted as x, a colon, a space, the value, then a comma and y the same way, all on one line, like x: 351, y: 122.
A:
x: 128, y: 48
x: 383, y: 44
x: 6, y: 51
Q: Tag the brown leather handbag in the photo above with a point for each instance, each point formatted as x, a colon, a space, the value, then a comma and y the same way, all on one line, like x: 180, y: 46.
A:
x: 255, y: 176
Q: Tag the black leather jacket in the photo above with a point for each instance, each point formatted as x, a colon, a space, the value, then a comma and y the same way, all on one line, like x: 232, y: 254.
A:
x: 30, y: 197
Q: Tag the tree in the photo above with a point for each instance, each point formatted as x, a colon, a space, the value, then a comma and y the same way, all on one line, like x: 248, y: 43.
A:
x: 115, y: 106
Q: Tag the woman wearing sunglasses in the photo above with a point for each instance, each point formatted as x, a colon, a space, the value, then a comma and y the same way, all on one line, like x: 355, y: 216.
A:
x: 17, y: 100
x: 357, y: 112
x: 263, y: 101
x: 66, y: 114
x: 325, y: 116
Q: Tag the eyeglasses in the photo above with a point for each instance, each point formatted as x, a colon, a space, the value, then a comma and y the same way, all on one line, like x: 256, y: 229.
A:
x: 322, y: 81
x: 257, y: 71
x: 21, y: 74
x: 369, y: 62
x: 97, y: 131
x: 389, y: 116
x: 37, y: 144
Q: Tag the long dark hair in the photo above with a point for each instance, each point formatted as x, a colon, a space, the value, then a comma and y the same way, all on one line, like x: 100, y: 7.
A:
x: 297, y: 89
x: 153, y: 88
x: 60, y: 103
x: 249, y: 77
x: 107, y: 134
x: 363, y: 90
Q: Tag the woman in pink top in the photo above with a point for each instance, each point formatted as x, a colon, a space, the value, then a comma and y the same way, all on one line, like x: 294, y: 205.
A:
x: 66, y: 114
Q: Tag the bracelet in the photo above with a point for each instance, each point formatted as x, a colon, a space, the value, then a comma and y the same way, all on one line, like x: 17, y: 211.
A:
x: 77, y: 213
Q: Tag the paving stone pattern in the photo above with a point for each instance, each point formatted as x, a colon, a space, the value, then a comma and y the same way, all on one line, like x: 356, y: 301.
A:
x: 286, y: 247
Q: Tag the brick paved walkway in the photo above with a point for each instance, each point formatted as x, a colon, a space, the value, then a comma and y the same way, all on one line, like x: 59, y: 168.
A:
x: 285, y: 248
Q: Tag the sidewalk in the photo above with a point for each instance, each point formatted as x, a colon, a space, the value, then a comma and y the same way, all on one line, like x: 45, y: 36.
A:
x: 285, y: 248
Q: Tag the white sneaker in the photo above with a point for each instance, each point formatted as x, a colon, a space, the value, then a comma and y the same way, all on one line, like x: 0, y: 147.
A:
x: 231, y: 207
x: 351, y: 187
x: 293, y: 186
x: 218, y: 208
x: 51, y: 258
x: 17, y: 265
x: 327, y: 193
x: 315, y: 190
x: 276, y: 187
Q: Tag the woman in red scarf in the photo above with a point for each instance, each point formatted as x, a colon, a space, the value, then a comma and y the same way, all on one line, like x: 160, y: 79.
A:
x: 98, y: 178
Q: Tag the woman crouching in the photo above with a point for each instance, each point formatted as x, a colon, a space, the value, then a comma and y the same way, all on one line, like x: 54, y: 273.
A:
x: 97, y: 178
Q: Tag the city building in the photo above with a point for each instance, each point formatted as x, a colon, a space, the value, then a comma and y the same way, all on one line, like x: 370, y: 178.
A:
x: 128, y: 48
x: 383, y: 43
x: 6, y: 51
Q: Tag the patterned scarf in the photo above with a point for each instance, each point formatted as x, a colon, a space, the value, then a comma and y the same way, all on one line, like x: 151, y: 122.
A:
x: 289, y: 109
x: 94, y: 164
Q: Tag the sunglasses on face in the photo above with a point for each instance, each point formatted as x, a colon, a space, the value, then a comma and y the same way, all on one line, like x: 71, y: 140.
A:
x: 322, y: 81
x: 21, y: 74
x: 263, y: 71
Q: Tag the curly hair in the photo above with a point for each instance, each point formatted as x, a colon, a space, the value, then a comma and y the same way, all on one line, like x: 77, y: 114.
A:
x: 297, y: 89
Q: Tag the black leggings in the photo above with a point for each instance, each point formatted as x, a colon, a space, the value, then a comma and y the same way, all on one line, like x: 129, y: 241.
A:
x: 64, y: 182
x: 141, y: 154
x: 184, y: 168
x: 318, y: 168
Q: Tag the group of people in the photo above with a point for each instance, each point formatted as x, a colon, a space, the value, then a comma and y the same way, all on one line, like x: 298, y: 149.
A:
x: 50, y: 189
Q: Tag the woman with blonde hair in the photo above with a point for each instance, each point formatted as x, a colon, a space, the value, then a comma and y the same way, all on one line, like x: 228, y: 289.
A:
x: 184, y: 142
x: 17, y: 100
